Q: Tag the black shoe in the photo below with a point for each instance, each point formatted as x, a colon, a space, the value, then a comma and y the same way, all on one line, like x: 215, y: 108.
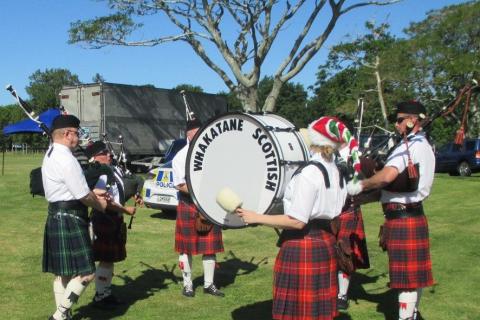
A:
x: 342, y: 303
x: 108, y: 302
x: 213, y: 291
x: 188, y: 292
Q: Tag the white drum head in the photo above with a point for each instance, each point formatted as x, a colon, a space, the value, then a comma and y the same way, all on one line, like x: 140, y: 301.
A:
x: 236, y: 151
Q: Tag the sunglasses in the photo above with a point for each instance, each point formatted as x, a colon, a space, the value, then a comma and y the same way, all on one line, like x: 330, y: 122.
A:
x: 74, y: 132
x: 400, y: 119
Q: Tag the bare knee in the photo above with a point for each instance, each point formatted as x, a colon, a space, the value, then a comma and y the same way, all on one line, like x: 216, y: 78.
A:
x: 107, y: 265
x: 86, y: 279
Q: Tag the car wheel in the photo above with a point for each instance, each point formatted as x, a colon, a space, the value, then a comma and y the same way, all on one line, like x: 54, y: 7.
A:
x: 464, y: 169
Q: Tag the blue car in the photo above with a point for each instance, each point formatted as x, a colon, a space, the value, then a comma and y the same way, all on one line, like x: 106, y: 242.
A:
x: 459, y: 160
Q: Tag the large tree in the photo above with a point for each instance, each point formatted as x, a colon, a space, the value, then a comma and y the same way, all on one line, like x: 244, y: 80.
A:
x: 446, y: 48
x: 45, y: 86
x: 200, y: 24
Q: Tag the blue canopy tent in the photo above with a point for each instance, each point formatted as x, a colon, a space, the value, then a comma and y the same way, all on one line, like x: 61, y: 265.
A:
x: 30, y: 126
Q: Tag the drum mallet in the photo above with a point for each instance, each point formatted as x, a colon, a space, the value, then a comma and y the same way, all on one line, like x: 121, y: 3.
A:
x: 305, y: 136
x: 228, y: 200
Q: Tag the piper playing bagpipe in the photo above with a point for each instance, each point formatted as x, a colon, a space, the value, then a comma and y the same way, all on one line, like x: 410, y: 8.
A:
x: 405, y: 182
x: 109, y: 229
x: 67, y: 249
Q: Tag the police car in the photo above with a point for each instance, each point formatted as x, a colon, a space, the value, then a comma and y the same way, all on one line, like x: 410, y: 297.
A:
x: 158, y: 190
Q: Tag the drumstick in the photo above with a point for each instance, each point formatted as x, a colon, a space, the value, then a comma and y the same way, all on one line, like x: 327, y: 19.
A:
x: 228, y: 200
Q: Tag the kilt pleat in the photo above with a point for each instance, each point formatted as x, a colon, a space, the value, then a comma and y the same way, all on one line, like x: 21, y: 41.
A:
x: 67, y: 248
x: 305, y: 278
x: 187, y: 239
x: 408, y: 248
x: 352, y: 231
x: 110, y: 236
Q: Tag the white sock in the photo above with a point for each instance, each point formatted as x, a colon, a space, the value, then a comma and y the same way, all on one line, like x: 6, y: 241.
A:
x: 406, y: 301
x: 343, y: 283
x: 103, y: 280
x: 58, y: 289
x: 185, y: 264
x: 208, y: 269
x: 73, y: 291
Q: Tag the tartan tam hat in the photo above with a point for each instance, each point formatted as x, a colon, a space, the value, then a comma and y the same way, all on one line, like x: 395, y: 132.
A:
x: 93, y: 149
x: 411, y: 107
x: 65, y: 121
x: 329, y: 131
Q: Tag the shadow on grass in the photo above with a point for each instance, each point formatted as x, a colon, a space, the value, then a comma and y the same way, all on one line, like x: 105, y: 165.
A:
x: 387, y: 302
x: 230, y: 268
x: 145, y: 285
x: 259, y: 310
x: 165, y: 214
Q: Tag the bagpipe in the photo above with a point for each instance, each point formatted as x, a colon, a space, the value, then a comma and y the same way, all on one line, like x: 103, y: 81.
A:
x: 92, y: 171
x: 373, y: 158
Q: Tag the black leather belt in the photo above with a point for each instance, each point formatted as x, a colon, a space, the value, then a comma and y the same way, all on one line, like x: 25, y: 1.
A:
x: 401, y: 211
x: 71, y: 204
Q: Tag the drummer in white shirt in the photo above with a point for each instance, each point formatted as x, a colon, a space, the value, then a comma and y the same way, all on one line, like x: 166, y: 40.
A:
x: 305, y: 271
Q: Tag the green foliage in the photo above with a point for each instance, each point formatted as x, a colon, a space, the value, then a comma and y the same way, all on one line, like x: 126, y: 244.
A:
x: 291, y: 102
x: 98, y: 78
x: 45, y: 86
x: 188, y: 88
x: 438, y: 58
x: 105, y: 29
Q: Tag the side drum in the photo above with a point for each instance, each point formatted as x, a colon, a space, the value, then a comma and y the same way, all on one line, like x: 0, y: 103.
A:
x: 255, y: 155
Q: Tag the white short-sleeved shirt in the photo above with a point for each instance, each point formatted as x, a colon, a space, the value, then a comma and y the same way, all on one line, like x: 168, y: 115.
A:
x: 178, y: 166
x: 420, y: 152
x: 306, y: 196
x: 62, y: 175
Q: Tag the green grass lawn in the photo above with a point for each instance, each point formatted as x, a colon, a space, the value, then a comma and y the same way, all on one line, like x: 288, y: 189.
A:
x: 150, y: 281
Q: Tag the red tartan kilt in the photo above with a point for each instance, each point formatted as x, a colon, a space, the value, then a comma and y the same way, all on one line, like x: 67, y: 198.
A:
x: 110, y: 237
x: 305, y: 278
x: 352, y: 231
x: 409, y: 253
x: 187, y: 239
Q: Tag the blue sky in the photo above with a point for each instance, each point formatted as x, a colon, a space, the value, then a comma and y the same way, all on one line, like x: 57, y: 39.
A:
x: 34, y: 35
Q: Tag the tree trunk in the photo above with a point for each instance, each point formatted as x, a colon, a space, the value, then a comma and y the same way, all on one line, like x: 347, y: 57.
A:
x: 381, y: 99
x: 271, y: 100
x: 248, y: 96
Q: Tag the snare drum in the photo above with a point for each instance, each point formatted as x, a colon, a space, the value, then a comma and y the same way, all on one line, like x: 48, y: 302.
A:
x: 255, y: 155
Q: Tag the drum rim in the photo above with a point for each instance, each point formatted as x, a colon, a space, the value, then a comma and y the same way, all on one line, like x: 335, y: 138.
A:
x: 197, y: 135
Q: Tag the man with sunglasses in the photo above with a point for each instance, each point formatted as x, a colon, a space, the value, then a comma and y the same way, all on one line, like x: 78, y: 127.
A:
x: 406, y: 181
x: 109, y: 229
x: 67, y: 250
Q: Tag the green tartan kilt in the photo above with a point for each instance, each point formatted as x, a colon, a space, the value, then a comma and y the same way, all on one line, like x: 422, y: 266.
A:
x: 67, y: 248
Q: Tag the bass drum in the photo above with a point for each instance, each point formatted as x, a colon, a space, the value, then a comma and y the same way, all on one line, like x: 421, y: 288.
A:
x: 254, y: 155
